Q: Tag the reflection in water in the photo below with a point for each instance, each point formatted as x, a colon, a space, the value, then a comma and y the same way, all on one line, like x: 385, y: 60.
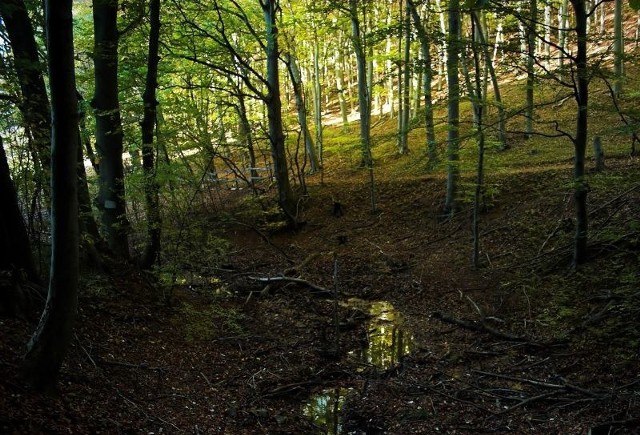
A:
x: 388, y: 340
x: 323, y: 409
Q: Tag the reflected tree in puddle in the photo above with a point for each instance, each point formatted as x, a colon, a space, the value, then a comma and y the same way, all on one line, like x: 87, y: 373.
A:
x: 388, y: 339
x: 323, y: 409
x: 387, y: 342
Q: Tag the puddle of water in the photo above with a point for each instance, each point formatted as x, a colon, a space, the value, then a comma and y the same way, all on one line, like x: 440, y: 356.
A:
x: 323, y: 409
x: 388, y: 339
x: 387, y: 342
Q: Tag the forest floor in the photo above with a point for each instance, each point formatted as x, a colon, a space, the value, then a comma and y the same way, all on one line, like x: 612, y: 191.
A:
x: 523, y: 344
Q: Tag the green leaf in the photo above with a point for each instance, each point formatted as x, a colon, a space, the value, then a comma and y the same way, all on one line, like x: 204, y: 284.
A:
x: 635, y: 4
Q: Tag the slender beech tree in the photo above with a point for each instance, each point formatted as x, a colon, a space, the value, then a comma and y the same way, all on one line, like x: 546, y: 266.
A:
x: 406, y: 78
x: 29, y: 70
x: 301, y: 107
x: 478, y: 46
x: 562, y: 32
x: 151, y: 188
x: 581, y: 95
x: 480, y: 34
x: 317, y: 94
x: 286, y: 199
x: 618, y: 36
x: 425, y: 47
x: 453, y: 110
x: 531, y: 53
x: 48, y: 346
x: 109, y: 137
x: 364, y: 103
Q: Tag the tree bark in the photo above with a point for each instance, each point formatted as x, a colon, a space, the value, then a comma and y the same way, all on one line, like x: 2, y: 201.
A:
x: 317, y: 102
x: 109, y: 136
x: 286, y: 199
x: 531, y: 51
x: 562, y: 33
x: 48, y: 346
x: 494, y: 80
x: 406, y: 77
x: 580, y: 140
x: 428, y: 74
x: 151, y: 253
x: 363, y: 97
x: 296, y: 82
x: 618, y: 49
x: 453, y: 110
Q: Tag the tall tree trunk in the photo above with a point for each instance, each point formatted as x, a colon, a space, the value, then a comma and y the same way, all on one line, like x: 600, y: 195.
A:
x: 400, y: 84
x: 406, y: 78
x: 562, y: 32
x: 618, y: 49
x: 389, y: 67
x: 481, y: 34
x: 547, y: 35
x: 48, y: 346
x: 286, y: 200
x: 340, y: 87
x: 109, y: 136
x: 151, y: 253
x: 246, y: 136
x: 478, y: 107
x: 34, y: 106
x: 298, y: 91
x: 426, y: 81
x: 531, y: 51
x: 15, y: 249
x: 317, y: 102
x: 363, y: 97
x: 453, y: 110
x: 580, y: 140
x: 444, y: 49
x: 90, y: 239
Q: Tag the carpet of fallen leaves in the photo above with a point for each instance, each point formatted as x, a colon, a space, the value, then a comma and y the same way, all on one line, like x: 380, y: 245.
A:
x: 522, y: 344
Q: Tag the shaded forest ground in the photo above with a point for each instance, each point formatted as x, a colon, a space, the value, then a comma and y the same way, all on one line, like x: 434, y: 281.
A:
x: 522, y: 345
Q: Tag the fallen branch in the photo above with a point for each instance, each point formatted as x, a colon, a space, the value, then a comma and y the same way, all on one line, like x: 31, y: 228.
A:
x: 271, y: 279
x: 543, y: 384
x: 528, y: 401
x: 477, y: 326
x: 608, y: 425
